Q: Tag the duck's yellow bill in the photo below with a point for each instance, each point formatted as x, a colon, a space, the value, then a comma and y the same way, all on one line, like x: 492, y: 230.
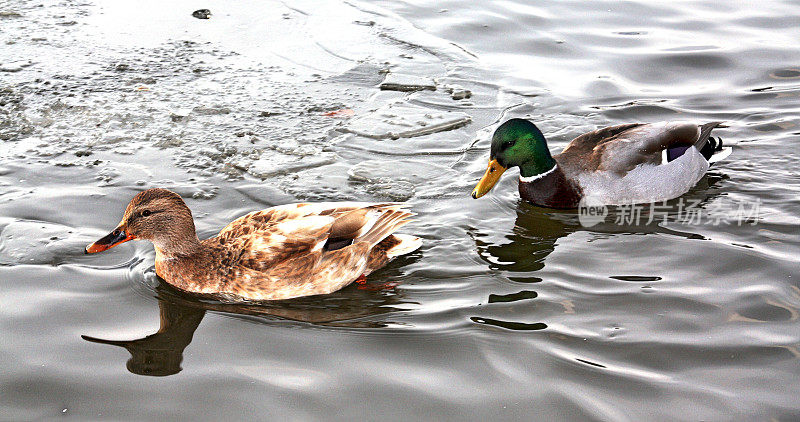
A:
x: 109, y: 241
x: 489, y: 179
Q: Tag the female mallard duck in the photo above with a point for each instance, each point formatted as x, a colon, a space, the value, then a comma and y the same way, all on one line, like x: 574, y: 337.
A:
x: 278, y: 253
x: 623, y: 164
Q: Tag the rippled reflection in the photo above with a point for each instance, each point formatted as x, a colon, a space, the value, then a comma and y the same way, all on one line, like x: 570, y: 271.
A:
x: 533, y: 237
x: 537, y: 230
x: 161, y: 353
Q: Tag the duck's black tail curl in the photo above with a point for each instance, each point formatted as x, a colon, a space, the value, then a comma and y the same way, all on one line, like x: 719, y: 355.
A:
x: 711, y: 147
x: 705, y: 143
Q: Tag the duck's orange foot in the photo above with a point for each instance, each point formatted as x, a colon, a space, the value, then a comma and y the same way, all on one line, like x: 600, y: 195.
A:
x: 362, y: 279
x: 377, y: 287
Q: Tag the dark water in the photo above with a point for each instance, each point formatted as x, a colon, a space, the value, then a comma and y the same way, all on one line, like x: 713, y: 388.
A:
x: 508, y: 310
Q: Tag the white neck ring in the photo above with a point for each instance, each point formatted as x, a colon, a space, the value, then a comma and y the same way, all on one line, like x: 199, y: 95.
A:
x: 537, y: 176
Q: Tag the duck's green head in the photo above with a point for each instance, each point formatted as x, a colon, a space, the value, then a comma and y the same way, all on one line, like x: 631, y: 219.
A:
x: 515, y: 143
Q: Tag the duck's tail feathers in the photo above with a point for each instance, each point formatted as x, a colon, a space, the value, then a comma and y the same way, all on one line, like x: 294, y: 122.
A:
x: 407, y: 245
x: 389, y: 221
x: 705, y: 132
x: 707, y: 145
x: 720, y: 154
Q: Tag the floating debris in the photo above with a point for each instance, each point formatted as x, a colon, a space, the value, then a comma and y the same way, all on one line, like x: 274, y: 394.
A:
x: 202, y: 14
x: 179, y: 114
x: 325, y: 108
x: 403, y: 120
x: 457, y: 92
x: 407, y: 83
x: 211, y: 111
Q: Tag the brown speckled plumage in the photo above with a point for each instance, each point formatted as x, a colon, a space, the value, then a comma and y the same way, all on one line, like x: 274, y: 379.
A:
x: 278, y: 253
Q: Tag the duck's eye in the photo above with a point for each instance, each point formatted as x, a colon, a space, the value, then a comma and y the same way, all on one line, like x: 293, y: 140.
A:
x: 146, y: 213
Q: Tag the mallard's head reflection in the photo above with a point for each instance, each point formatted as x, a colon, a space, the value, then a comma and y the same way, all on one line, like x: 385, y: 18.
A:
x: 524, y: 247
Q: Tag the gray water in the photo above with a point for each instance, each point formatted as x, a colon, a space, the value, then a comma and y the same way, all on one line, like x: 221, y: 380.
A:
x: 508, y: 311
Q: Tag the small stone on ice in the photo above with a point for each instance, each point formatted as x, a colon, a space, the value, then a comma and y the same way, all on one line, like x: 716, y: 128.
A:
x: 180, y: 114
x: 461, y: 94
x: 202, y: 13
x: 457, y: 92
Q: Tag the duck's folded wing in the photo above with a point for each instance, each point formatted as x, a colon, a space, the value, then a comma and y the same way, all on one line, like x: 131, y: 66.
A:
x: 265, y: 220
x: 304, y: 232
x: 623, y: 149
x: 346, y: 252
x: 264, y: 246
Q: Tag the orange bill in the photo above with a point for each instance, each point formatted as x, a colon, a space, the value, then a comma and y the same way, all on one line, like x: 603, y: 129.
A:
x: 109, y: 241
x: 489, y: 179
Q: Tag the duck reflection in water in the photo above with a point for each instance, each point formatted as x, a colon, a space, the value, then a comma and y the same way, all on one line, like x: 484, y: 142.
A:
x: 518, y: 254
x: 531, y: 240
x: 536, y: 231
x: 161, y: 353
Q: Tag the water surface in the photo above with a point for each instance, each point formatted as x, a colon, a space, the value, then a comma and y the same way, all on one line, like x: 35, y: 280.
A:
x: 507, y: 311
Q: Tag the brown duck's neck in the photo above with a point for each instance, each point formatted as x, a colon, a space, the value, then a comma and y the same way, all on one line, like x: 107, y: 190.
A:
x: 550, y: 189
x: 188, y: 246
x: 190, y: 270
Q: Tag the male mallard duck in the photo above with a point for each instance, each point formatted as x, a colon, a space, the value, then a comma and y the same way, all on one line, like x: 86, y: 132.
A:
x: 623, y: 164
x: 279, y: 253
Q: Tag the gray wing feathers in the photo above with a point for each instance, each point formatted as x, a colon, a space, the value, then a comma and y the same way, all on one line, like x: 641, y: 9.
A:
x: 644, y: 144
